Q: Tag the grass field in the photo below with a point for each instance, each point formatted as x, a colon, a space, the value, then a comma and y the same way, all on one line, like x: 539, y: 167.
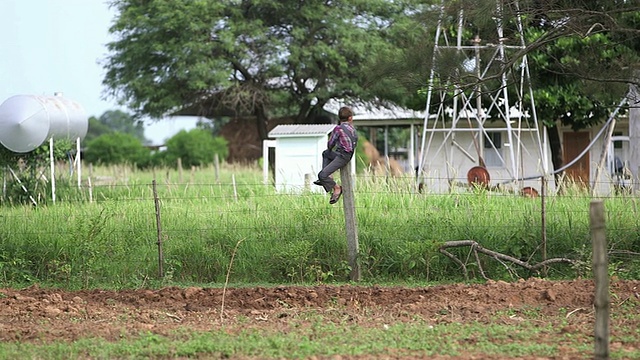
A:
x: 110, y: 237
x: 245, y: 272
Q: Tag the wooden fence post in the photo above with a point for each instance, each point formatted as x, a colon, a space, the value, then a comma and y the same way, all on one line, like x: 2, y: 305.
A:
x: 307, y: 181
x: 348, y: 201
x: 601, y: 277
x: 216, y: 166
x: 156, y: 200
x: 543, y: 211
x: 180, y: 170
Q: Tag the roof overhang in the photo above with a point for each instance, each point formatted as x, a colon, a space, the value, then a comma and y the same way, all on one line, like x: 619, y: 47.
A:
x: 301, y: 130
x: 379, y: 113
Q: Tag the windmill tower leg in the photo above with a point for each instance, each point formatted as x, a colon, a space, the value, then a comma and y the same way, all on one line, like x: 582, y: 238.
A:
x: 480, y: 112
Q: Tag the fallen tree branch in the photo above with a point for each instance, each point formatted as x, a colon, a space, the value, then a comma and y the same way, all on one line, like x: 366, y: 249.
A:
x: 502, y: 258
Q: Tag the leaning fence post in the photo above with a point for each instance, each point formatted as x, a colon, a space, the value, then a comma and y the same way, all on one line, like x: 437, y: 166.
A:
x: 348, y: 201
x: 601, y: 277
x: 159, y: 233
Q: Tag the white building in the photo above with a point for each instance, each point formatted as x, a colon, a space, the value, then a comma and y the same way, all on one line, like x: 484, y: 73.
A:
x: 298, y: 155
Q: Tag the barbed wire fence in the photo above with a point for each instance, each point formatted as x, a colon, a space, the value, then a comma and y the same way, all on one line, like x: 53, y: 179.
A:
x: 163, y: 207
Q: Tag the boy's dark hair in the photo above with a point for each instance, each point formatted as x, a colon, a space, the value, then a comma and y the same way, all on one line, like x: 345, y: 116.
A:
x: 344, y: 113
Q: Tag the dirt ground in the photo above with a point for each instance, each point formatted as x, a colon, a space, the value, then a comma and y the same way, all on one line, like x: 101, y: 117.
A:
x: 41, y: 315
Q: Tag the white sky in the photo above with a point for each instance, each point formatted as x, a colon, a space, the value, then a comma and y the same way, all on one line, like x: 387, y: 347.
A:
x: 49, y: 46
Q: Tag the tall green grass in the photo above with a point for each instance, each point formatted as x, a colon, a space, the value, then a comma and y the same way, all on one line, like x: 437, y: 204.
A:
x: 112, y: 241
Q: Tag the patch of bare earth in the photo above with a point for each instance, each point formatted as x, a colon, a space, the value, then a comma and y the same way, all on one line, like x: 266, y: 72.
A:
x: 40, y: 315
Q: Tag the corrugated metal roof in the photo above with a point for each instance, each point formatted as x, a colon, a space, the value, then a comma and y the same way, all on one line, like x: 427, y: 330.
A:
x: 365, y: 110
x: 301, y: 130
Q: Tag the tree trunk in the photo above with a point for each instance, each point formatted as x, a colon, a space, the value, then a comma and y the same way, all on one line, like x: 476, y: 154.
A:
x: 261, y: 122
x: 556, y: 149
x: 303, y: 114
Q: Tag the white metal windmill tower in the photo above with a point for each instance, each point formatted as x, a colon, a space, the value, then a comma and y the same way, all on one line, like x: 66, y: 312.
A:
x: 480, y: 125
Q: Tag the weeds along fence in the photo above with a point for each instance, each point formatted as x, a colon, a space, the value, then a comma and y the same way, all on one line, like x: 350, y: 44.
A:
x: 123, y: 231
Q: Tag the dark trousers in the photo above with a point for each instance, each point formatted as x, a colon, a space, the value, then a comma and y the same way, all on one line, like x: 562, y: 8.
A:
x: 331, y: 162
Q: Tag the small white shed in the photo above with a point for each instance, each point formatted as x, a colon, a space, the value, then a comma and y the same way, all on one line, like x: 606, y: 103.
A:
x: 298, y: 153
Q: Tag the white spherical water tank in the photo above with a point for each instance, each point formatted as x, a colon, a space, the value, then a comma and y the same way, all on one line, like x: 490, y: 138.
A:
x: 27, y: 121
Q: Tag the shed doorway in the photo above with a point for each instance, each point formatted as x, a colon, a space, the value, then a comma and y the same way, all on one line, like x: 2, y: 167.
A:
x: 574, y: 144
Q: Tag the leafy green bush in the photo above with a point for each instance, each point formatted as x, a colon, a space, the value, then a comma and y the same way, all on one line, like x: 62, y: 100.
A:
x: 25, y: 174
x: 196, y: 147
x: 117, y: 148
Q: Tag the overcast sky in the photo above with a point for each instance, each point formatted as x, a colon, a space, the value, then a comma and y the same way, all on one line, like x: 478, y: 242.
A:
x: 50, y: 46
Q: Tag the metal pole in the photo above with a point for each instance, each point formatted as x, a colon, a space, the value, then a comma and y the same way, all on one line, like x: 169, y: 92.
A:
x: 53, y: 171
x: 634, y: 133
x: 79, y: 162
x: 412, y: 145
x: 430, y: 89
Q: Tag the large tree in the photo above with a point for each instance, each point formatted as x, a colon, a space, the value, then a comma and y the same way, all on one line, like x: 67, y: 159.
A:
x: 259, y: 58
x: 582, y: 54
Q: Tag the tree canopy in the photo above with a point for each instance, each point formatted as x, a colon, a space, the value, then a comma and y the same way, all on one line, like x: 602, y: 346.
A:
x: 260, y: 58
x: 115, y: 121
x: 584, y: 57
x: 593, y: 46
x: 272, y: 58
x: 582, y: 54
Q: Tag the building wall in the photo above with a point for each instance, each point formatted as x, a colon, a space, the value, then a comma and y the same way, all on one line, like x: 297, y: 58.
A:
x: 449, y: 157
x: 296, y: 157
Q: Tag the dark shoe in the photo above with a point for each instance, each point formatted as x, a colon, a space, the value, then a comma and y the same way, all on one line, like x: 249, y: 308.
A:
x: 335, y: 197
x: 317, y: 182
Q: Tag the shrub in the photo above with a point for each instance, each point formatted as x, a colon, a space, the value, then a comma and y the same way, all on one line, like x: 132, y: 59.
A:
x: 116, y: 148
x: 196, y: 147
x: 29, y: 183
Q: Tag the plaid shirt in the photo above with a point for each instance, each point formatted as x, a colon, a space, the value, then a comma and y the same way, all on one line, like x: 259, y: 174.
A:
x: 343, y: 138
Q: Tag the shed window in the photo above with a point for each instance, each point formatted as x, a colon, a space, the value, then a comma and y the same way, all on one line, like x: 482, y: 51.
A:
x: 617, y: 144
x: 493, y: 149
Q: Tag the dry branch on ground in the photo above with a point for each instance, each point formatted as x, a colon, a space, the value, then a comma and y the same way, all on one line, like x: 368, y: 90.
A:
x: 476, y: 248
